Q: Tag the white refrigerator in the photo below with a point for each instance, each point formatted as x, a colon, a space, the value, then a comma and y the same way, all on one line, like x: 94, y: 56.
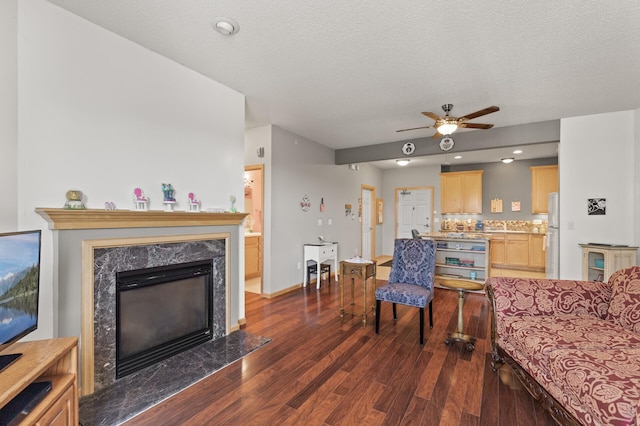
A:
x: 552, y: 265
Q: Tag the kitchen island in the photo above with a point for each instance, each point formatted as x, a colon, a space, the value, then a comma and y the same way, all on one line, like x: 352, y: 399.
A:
x: 515, y: 244
x: 461, y: 256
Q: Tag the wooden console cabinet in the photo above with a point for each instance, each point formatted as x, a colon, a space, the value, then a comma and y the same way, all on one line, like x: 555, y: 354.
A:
x: 600, y: 261
x: 55, y: 360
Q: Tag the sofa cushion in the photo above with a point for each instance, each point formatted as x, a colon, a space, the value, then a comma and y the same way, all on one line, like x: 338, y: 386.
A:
x: 530, y: 296
x: 538, y: 336
x: 624, y: 308
x: 604, y: 384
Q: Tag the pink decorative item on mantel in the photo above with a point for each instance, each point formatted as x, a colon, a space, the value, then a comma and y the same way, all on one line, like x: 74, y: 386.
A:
x: 140, y: 201
x: 193, y: 203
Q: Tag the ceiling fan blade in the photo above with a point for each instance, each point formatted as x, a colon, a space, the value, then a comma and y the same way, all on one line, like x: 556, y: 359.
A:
x: 480, y: 113
x: 475, y: 126
x: 434, y: 117
x: 413, y: 128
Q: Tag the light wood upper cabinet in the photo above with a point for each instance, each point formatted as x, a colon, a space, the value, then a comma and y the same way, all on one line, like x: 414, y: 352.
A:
x: 461, y: 192
x: 544, y: 179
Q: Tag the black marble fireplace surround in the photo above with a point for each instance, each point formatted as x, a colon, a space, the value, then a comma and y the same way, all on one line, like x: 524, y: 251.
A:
x: 110, y: 260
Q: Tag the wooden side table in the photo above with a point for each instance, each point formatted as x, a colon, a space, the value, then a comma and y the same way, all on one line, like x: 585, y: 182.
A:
x: 363, y: 271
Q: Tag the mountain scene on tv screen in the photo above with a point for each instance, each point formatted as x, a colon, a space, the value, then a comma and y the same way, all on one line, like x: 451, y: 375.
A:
x: 18, y: 302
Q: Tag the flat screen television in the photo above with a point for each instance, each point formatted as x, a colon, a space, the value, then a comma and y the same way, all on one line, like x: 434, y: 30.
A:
x: 19, y: 288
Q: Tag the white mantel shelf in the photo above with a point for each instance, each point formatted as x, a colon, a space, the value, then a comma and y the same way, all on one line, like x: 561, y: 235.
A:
x: 110, y: 219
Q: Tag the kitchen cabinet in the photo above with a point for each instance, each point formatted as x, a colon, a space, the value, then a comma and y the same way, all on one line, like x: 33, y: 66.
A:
x: 252, y: 256
x: 544, y: 179
x: 461, y: 192
x: 518, y: 251
x: 498, y: 249
x: 537, y: 258
x: 599, y: 261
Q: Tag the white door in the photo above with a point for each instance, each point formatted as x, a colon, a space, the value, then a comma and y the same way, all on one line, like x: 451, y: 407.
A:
x: 366, y: 223
x: 415, y: 208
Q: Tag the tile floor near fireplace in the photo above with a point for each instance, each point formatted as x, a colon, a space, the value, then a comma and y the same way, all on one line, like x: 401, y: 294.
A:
x: 133, y: 394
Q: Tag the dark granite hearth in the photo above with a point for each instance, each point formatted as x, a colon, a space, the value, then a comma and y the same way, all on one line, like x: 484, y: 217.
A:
x: 139, y: 391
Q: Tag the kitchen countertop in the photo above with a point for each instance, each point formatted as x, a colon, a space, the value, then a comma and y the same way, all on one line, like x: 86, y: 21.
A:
x: 475, y: 235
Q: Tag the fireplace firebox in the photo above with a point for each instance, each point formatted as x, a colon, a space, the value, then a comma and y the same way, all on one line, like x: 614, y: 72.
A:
x: 160, y: 312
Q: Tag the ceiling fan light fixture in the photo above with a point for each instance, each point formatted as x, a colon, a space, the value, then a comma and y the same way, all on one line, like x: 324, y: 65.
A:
x: 447, y: 127
x: 507, y: 160
x: 402, y: 163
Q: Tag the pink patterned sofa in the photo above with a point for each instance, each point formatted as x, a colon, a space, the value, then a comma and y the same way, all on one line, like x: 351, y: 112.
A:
x: 575, y: 345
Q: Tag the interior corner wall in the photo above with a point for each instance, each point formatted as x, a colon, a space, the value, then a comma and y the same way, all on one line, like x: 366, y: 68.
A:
x: 103, y: 115
x: 9, y: 115
x: 406, y: 178
x: 596, y: 161
x: 301, y: 167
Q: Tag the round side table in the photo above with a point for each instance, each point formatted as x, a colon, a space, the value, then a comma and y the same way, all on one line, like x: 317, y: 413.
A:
x: 461, y: 285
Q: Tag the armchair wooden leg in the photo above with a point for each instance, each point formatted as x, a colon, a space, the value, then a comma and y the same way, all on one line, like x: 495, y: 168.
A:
x: 421, y: 326
x: 377, y: 316
x: 431, y: 314
x: 395, y: 316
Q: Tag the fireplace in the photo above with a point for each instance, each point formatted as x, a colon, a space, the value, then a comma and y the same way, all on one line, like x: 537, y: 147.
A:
x: 90, y: 246
x: 161, y: 312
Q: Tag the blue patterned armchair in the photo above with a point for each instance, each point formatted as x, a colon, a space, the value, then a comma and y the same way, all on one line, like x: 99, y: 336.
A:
x: 410, y: 280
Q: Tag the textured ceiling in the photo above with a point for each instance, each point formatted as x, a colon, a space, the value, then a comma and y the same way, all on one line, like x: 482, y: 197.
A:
x: 350, y: 73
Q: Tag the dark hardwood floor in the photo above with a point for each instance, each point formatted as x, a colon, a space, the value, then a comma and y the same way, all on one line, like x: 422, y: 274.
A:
x: 318, y: 370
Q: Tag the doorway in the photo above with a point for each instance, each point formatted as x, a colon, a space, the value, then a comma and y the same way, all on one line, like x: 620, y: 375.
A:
x: 414, y: 210
x: 367, y: 231
x: 253, y: 227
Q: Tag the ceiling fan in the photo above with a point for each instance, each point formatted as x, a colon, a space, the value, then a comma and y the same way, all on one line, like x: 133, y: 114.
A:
x: 447, y: 125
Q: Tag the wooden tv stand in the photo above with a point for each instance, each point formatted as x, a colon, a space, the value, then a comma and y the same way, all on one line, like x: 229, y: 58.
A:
x: 55, y: 360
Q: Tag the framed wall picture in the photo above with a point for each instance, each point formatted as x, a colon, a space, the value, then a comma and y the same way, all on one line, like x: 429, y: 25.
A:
x: 380, y: 210
x: 596, y: 206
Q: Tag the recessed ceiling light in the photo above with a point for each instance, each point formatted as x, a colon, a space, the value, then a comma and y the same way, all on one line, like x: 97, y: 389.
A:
x: 402, y: 162
x: 457, y: 157
x: 226, y: 26
x: 507, y: 160
x: 517, y: 151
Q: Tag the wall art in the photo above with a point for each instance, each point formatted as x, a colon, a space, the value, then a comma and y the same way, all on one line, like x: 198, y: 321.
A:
x: 597, y: 206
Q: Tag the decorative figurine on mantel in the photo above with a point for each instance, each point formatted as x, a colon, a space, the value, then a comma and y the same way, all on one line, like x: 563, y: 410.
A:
x: 169, y: 199
x: 140, y: 201
x: 194, y: 203
x: 233, y: 204
x: 74, y: 200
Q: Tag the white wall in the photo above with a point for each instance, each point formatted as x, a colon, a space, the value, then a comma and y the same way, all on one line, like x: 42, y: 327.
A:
x: 596, y: 161
x: 103, y: 115
x: 294, y: 167
x: 8, y: 115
